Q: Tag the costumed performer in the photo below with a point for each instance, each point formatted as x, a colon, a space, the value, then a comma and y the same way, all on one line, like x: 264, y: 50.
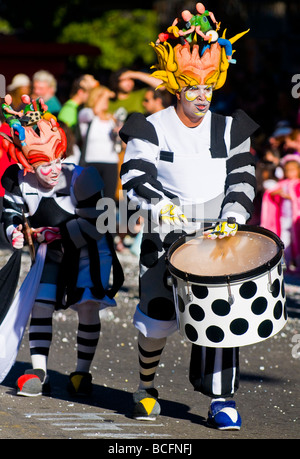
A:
x: 280, y: 211
x: 181, y: 162
x: 55, y: 205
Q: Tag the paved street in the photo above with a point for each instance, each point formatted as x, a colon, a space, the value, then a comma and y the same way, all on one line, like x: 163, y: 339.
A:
x: 268, y: 398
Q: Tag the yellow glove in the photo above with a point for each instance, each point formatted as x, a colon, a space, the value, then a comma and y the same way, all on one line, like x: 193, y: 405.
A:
x: 223, y: 229
x: 172, y: 215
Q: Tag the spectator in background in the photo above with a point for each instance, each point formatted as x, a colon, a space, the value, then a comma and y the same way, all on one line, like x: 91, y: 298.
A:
x: 122, y: 83
x: 97, y: 127
x: 79, y: 94
x: 20, y: 85
x: 292, y: 141
x: 280, y: 211
x: 277, y: 142
x: 155, y: 100
x: 45, y: 86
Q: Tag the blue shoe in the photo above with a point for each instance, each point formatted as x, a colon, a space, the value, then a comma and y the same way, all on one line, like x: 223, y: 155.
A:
x: 224, y: 416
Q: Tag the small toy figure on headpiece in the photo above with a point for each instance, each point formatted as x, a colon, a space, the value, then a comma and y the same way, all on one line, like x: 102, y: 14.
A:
x: 187, y: 62
x: 13, y: 118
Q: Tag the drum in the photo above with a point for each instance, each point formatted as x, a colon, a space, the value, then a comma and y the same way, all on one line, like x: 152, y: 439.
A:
x: 228, y: 292
x: 213, y: 35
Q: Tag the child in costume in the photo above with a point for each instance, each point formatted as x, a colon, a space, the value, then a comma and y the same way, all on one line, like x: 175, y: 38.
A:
x: 52, y: 206
x: 280, y: 210
x: 181, y: 162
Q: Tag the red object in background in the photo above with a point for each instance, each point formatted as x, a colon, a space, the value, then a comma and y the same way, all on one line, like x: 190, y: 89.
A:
x: 5, y: 161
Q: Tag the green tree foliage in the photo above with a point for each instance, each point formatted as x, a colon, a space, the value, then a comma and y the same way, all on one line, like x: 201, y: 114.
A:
x: 122, y: 37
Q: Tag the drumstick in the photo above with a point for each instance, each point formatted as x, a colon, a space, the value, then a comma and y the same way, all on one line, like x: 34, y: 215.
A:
x: 229, y: 220
x: 27, y: 233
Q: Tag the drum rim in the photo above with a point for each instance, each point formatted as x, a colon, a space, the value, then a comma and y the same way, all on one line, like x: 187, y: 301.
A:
x: 196, y: 279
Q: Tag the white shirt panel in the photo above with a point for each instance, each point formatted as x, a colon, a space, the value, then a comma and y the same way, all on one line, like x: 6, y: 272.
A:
x: 194, y: 174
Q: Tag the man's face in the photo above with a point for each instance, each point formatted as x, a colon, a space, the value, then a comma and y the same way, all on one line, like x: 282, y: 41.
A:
x: 42, y: 89
x: 195, y: 101
x: 48, y: 173
x: 149, y: 102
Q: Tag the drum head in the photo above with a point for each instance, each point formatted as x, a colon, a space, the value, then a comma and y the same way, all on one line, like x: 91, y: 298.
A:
x: 230, y: 256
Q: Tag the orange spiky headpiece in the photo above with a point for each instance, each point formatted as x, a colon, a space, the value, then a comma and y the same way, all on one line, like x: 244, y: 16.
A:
x: 181, y: 64
x: 36, y: 137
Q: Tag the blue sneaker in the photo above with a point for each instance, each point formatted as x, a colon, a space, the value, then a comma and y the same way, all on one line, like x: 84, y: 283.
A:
x: 224, y: 416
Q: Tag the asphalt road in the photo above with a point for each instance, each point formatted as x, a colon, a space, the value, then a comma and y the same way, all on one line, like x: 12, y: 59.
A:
x: 268, y: 397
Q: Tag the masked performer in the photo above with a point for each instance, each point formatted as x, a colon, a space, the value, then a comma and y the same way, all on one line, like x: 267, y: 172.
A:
x: 181, y: 159
x: 53, y: 207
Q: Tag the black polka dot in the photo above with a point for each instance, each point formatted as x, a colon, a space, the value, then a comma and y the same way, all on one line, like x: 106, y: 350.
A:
x: 265, y: 329
x: 191, y: 333
x: 239, y: 326
x: 196, y: 312
x: 215, y: 334
x: 221, y: 307
x: 283, y: 289
x: 285, y: 311
x: 181, y: 304
x: 259, y: 305
x: 279, y: 269
x: 277, y: 311
x: 275, y: 289
x: 200, y: 291
x: 248, y: 290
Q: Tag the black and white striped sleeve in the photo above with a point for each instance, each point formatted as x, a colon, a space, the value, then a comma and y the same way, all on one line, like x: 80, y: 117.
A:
x: 13, y: 202
x: 139, y: 170
x: 240, y: 185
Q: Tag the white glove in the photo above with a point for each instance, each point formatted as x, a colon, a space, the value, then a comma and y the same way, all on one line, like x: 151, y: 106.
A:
x: 17, y: 238
x: 222, y: 229
x: 172, y: 215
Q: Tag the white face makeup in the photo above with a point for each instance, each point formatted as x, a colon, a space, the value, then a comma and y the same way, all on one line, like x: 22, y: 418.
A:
x: 196, y: 100
x: 48, y: 173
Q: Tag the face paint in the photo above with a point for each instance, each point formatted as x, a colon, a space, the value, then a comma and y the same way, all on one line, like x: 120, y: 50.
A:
x: 196, y: 101
x: 48, y: 173
x: 194, y: 92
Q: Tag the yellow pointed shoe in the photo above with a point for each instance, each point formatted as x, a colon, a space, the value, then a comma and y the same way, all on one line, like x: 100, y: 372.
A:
x: 146, y: 406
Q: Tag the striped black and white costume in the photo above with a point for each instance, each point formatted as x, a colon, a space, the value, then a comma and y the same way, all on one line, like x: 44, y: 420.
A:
x: 77, y: 267
x: 209, y: 172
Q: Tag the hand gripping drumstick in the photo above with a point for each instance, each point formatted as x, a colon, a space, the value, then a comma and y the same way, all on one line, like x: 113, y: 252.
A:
x: 27, y: 233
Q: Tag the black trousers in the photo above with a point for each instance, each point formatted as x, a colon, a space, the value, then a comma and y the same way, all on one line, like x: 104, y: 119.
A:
x: 215, y: 372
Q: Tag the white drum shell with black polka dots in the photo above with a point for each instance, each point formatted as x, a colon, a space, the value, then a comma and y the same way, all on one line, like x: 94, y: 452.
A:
x: 231, y: 313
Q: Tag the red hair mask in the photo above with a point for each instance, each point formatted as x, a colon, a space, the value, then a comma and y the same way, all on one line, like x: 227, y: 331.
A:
x: 44, y: 144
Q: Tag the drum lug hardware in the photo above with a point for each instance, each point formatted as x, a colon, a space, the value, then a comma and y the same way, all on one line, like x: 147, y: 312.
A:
x: 189, y: 290
x: 283, y: 264
x: 170, y: 281
x: 230, y: 295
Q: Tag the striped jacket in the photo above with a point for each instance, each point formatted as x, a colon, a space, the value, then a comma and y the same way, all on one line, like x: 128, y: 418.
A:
x: 209, y: 165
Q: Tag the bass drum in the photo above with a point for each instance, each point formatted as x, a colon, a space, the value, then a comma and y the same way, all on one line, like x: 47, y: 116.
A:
x: 229, y: 292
